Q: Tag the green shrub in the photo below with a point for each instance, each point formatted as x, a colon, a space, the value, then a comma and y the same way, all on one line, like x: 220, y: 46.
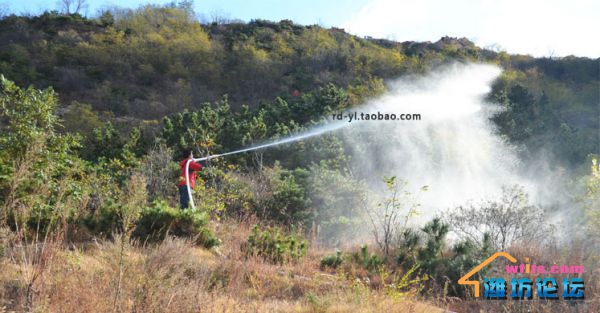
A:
x: 117, y: 207
x: 332, y: 260
x: 408, y: 248
x: 274, y: 246
x: 370, y: 262
x: 39, y: 178
x: 289, y: 202
x: 159, y: 220
x: 426, y: 249
x: 105, y: 221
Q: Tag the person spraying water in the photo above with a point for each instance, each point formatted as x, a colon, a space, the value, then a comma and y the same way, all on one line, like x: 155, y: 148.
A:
x: 187, y: 180
x: 190, y: 165
x: 453, y: 145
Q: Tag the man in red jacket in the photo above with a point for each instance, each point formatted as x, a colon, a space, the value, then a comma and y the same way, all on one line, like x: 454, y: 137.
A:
x: 184, y: 197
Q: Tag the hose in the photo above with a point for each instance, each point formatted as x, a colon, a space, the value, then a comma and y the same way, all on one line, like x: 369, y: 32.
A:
x: 187, y: 171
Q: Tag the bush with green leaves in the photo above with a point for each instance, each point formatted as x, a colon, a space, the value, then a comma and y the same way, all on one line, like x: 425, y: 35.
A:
x: 332, y: 260
x: 466, y: 255
x: 391, y: 215
x: 339, y: 200
x: 281, y: 195
x: 370, y: 262
x: 105, y: 221
x: 426, y: 248
x: 160, y: 220
x: 408, y: 247
x: 221, y: 192
x: 430, y: 255
x: 274, y: 246
x: 39, y: 169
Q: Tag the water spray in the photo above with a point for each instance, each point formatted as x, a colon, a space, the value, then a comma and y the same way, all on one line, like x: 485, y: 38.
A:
x: 454, y: 149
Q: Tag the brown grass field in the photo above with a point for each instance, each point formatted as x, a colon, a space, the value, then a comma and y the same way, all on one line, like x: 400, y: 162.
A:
x: 176, y: 276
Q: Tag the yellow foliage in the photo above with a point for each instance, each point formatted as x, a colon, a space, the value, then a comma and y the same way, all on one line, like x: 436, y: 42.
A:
x: 512, y: 75
x: 316, y: 40
x: 251, y: 53
x: 110, y: 37
x: 281, y: 47
x: 592, y: 198
x: 155, y: 39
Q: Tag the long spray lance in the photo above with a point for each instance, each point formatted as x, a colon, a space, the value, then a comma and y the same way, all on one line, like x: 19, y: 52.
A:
x: 187, y: 166
x: 314, y: 132
x: 187, y: 170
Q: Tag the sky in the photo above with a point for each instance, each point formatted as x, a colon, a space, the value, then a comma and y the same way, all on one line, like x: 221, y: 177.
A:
x: 535, y: 27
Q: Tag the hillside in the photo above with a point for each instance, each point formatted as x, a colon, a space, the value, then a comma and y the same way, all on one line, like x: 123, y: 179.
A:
x: 99, y: 116
x: 154, y: 61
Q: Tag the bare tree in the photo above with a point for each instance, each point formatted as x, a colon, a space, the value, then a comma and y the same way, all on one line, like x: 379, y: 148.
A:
x: 391, y: 215
x: 72, y: 6
x: 219, y: 17
x: 160, y: 172
x: 507, y: 220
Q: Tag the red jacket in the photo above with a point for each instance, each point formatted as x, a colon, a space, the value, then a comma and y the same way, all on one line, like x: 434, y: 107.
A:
x: 193, y: 168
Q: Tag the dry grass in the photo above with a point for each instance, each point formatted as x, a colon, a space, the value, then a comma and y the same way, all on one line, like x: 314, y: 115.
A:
x: 176, y: 276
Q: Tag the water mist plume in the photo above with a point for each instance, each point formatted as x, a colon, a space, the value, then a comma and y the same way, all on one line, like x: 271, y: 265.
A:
x: 454, y: 148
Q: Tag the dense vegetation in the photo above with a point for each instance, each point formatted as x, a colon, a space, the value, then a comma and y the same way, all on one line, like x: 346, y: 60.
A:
x: 93, y: 113
x: 136, y: 66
